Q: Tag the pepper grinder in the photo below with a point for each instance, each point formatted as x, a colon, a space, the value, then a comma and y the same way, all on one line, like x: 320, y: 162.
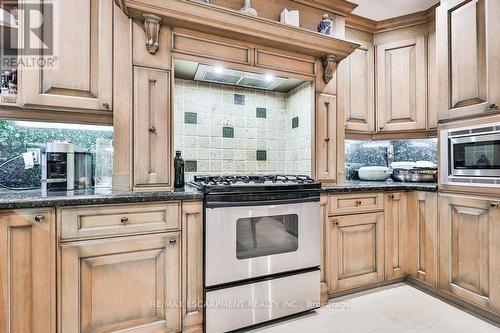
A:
x: 179, y: 181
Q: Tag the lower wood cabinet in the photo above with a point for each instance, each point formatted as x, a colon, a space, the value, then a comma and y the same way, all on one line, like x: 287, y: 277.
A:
x: 27, y: 271
x: 469, y: 249
x: 422, y: 236
x: 121, y: 284
x: 396, y: 235
x: 356, y: 250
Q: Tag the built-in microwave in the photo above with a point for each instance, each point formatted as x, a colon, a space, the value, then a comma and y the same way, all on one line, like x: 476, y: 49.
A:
x: 471, y: 155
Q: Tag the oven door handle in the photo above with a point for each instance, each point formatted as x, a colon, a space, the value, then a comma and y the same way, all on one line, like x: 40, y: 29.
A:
x: 221, y: 204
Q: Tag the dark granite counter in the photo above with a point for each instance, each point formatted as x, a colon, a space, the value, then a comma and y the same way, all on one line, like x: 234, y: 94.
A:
x: 35, y: 198
x: 378, y: 186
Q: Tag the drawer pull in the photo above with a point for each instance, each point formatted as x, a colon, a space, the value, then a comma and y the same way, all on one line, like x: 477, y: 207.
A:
x: 358, y: 203
x: 493, y: 106
x: 105, y: 106
x: 152, y: 130
x: 391, y: 196
x: 39, y: 218
x: 494, y: 205
x: 124, y: 220
x: 173, y: 241
x: 335, y: 221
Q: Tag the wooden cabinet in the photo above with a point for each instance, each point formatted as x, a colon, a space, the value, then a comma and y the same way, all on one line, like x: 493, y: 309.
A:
x: 422, y: 236
x: 326, y: 138
x: 356, y: 250
x: 152, y: 128
x: 120, y: 284
x: 27, y: 271
x: 469, y: 249
x: 401, y: 82
x: 468, y: 48
x: 80, y: 77
x: 356, y: 89
x: 396, y: 235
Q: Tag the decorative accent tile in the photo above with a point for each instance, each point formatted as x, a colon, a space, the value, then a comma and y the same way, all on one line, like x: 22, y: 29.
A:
x: 261, y: 155
x: 239, y: 99
x: 190, y: 118
x: 227, y: 132
x: 261, y: 113
x: 191, y: 166
x: 295, y: 122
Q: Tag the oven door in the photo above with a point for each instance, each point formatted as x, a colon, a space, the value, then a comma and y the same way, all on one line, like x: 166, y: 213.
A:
x: 476, y: 156
x: 252, y: 241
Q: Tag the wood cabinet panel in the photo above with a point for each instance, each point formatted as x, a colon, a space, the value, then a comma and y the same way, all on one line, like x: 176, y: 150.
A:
x: 284, y: 62
x: 423, y: 236
x: 356, y: 89
x: 468, y: 51
x: 396, y: 235
x: 112, y: 220
x: 402, y: 85
x: 469, y: 243
x: 326, y: 137
x: 142, y: 57
x: 27, y: 271
x: 357, y: 248
x: 152, y: 128
x: 81, y: 77
x: 356, y: 203
x: 130, y: 283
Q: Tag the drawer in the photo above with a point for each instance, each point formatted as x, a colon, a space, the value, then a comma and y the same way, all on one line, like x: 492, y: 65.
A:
x: 102, y: 221
x: 356, y: 203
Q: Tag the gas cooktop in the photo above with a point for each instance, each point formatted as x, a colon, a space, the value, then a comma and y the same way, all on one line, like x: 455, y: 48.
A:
x: 254, y: 183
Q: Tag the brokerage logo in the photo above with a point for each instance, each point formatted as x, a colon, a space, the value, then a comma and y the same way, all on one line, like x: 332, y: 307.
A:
x: 27, y: 35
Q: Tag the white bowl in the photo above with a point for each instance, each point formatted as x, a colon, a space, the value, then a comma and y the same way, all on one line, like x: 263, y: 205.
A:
x: 403, y: 165
x: 374, y: 173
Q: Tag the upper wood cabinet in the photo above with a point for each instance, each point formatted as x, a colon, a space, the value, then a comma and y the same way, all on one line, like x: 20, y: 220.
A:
x: 152, y: 128
x: 468, y: 48
x: 27, y: 271
x: 121, y: 284
x: 82, y: 74
x: 401, y: 82
x: 422, y: 236
x: 356, y: 89
x: 469, y: 249
x: 356, y: 251
x: 396, y: 235
x: 326, y: 138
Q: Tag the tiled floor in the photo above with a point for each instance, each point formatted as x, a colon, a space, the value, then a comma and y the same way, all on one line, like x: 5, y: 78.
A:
x: 398, y: 308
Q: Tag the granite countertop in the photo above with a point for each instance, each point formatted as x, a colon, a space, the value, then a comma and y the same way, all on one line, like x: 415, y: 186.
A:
x: 12, y: 199
x: 373, y: 186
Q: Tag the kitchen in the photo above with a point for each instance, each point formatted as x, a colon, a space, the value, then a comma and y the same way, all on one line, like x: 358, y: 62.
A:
x: 216, y: 166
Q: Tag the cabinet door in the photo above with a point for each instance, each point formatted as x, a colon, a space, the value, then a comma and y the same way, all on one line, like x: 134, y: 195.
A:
x: 27, y: 271
x: 396, y: 235
x: 356, y: 89
x: 469, y: 245
x: 152, y: 135
x: 422, y: 240
x: 357, y: 249
x: 468, y: 48
x: 81, y: 75
x: 326, y: 137
x: 121, y: 284
x: 402, y: 85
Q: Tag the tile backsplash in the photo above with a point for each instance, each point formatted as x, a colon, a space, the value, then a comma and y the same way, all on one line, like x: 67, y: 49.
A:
x: 231, y: 130
x: 17, y: 136
x: 371, y: 153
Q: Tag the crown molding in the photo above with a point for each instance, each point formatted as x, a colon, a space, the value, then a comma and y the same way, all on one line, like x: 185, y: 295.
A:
x: 340, y: 7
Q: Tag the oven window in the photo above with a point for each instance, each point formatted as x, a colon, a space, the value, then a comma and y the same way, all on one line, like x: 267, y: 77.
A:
x: 266, y: 235
x: 477, y: 155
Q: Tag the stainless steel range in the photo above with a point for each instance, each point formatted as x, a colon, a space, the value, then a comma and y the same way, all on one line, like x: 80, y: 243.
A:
x: 262, y: 249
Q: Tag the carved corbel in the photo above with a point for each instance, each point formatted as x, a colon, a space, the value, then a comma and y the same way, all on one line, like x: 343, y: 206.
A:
x: 329, y: 67
x: 152, y: 29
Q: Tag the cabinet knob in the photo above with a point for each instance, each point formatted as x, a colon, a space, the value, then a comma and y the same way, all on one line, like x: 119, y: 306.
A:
x: 335, y: 221
x: 391, y: 196
x: 327, y: 139
x: 381, y: 128
x: 173, y: 241
x: 152, y: 129
x: 39, y: 218
x: 493, y: 106
x: 358, y: 203
x: 124, y: 220
x: 105, y: 105
x: 494, y: 205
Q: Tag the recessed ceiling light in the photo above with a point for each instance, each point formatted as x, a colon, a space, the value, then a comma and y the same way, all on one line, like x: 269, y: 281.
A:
x: 269, y: 77
x: 219, y: 69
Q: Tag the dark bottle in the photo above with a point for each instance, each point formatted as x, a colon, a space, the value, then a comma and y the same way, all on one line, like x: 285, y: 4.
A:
x: 179, y: 170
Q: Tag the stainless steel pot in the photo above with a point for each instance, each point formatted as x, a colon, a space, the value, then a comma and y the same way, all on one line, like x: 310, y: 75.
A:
x: 415, y: 175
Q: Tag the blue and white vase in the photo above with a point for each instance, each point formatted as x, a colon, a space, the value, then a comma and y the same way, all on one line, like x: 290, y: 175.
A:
x: 325, y: 26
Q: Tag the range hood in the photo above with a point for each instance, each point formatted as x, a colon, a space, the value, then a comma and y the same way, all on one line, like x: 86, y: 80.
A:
x: 215, y: 74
